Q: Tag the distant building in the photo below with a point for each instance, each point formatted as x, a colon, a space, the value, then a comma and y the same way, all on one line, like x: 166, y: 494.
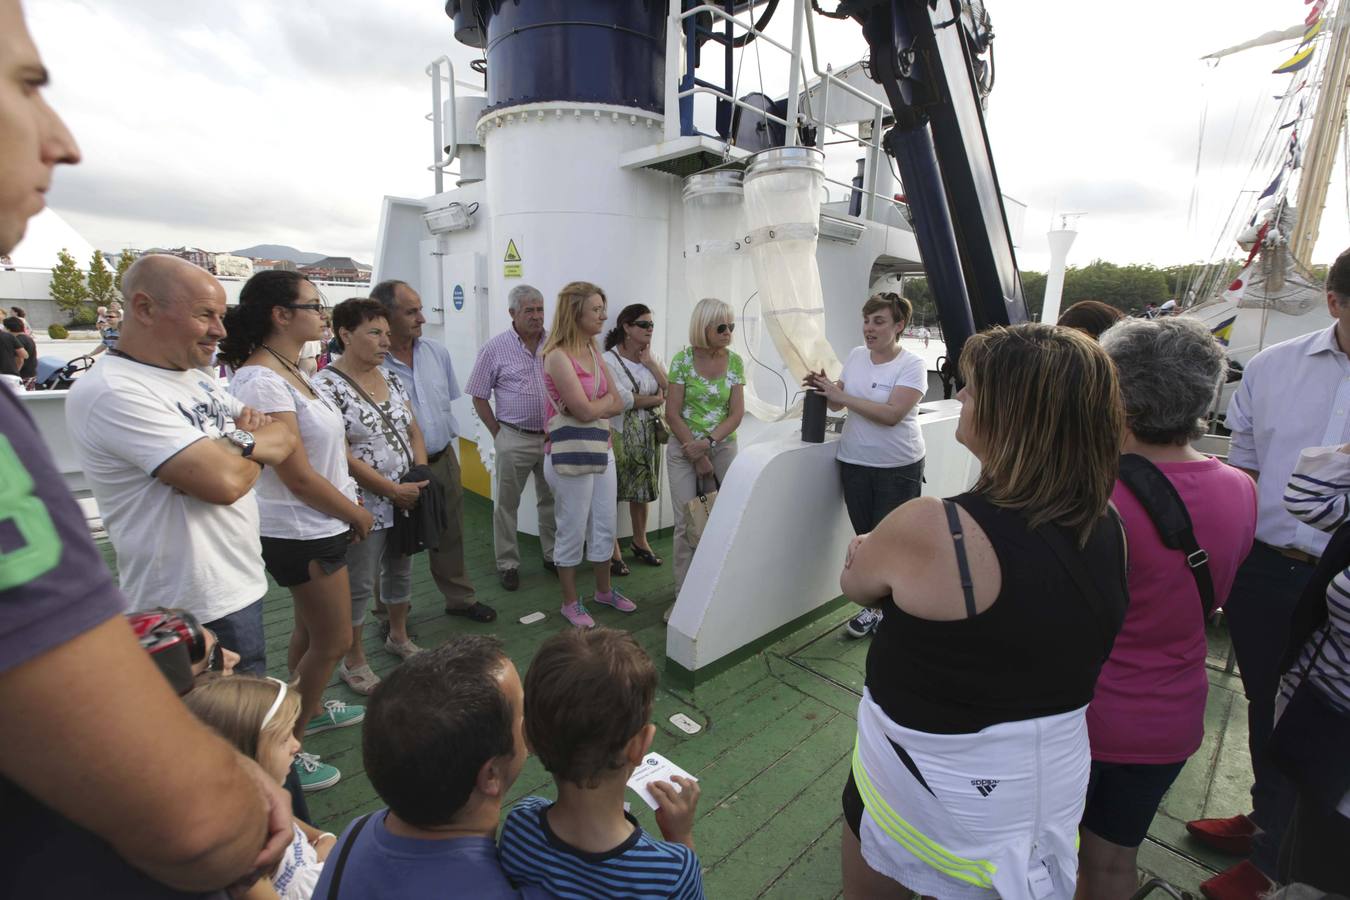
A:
x: 226, y: 264
x: 337, y: 268
x: 194, y: 255
x: 267, y: 265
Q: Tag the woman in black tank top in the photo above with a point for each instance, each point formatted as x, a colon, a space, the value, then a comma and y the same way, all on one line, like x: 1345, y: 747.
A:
x: 1001, y: 606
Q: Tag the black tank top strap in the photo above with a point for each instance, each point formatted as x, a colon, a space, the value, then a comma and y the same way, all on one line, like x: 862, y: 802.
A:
x: 962, y: 563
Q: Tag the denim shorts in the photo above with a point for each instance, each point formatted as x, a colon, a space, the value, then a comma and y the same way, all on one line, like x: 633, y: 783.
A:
x: 288, y: 560
x: 1122, y: 799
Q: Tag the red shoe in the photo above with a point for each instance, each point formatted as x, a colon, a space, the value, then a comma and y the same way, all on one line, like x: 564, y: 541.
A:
x: 1242, y: 882
x: 1233, y: 835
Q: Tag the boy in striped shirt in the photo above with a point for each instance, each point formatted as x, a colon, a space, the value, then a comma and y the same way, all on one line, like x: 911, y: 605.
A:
x: 588, y: 705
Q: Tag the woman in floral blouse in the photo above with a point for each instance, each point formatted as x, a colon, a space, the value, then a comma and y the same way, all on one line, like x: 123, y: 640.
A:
x: 704, y: 407
x: 384, y: 443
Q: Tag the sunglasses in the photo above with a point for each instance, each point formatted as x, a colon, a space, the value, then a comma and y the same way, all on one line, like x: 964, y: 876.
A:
x: 725, y: 327
x: 647, y: 325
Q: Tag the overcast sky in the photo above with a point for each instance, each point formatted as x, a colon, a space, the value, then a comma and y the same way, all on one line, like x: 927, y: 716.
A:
x: 261, y: 121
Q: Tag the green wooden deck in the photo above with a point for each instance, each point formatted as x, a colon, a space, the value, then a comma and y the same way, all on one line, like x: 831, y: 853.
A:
x: 778, y: 732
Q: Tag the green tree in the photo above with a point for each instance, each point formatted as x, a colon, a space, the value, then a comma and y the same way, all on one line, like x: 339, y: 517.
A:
x: 68, y: 288
x: 101, y: 288
x: 124, y: 261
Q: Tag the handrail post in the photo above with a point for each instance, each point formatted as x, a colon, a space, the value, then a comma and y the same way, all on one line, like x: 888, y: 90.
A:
x: 439, y: 147
x: 874, y: 152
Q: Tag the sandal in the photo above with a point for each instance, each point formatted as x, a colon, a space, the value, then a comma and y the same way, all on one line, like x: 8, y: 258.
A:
x: 478, y: 612
x: 619, y: 567
x: 646, y: 555
x: 362, y: 679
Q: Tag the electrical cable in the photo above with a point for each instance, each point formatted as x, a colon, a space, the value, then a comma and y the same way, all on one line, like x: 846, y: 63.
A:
x: 787, y: 404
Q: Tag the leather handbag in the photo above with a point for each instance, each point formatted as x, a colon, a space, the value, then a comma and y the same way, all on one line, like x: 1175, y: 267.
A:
x: 577, y: 447
x: 1309, y: 743
x: 697, y: 511
x: 1311, y: 736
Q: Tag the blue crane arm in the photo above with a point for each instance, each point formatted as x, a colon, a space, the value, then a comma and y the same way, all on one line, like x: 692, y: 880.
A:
x: 925, y: 54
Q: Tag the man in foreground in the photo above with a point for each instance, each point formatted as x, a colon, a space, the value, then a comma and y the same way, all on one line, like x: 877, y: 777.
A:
x: 108, y: 785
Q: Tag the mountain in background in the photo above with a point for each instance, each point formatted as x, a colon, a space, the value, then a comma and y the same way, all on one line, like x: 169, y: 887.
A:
x: 279, y: 251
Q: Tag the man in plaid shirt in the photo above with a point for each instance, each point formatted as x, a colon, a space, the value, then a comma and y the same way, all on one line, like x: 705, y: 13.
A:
x: 510, y: 367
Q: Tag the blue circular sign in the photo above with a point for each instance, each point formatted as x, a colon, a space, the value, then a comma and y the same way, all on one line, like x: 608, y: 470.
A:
x: 458, y: 297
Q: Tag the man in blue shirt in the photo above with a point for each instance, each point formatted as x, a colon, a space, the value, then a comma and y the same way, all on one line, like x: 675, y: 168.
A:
x: 425, y: 369
x: 444, y: 741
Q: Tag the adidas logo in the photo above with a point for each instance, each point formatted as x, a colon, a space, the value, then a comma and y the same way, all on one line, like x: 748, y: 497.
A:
x: 984, y: 785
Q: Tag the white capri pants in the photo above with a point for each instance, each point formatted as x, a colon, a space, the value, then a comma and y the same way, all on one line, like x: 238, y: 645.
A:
x: 585, y: 507
x: 368, y: 559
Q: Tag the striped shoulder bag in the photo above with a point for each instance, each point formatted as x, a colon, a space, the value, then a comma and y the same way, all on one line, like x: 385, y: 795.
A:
x: 577, y: 447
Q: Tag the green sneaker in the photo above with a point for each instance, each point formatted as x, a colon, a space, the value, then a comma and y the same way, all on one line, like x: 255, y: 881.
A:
x: 314, y: 775
x: 336, y: 714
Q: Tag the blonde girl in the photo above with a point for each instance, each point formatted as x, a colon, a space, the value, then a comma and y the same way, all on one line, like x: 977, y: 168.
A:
x: 258, y: 716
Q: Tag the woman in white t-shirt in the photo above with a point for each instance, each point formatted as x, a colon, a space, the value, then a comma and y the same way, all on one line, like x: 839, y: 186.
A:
x: 881, y: 452
x: 307, y: 505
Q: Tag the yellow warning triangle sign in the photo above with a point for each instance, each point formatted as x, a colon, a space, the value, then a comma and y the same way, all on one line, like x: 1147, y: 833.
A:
x: 512, y: 254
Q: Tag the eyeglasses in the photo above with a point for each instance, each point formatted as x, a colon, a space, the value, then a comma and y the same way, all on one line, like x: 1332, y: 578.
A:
x: 725, y: 327
x: 312, y: 307
x: 647, y: 325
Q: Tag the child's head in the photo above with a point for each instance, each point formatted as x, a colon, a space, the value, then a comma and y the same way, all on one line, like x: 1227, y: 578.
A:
x: 588, y: 702
x: 256, y: 715
x: 446, y: 723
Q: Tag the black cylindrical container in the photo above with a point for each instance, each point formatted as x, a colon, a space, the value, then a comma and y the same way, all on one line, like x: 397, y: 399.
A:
x: 813, y: 417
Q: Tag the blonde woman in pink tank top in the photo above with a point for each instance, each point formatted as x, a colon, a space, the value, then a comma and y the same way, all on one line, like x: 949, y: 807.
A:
x: 584, y: 505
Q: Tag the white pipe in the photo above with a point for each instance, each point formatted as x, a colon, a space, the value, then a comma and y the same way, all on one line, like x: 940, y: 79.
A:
x: 1060, y: 242
x: 794, y: 74
x: 674, y: 53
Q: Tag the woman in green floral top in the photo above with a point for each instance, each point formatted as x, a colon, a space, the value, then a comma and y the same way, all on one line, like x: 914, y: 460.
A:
x: 704, y: 406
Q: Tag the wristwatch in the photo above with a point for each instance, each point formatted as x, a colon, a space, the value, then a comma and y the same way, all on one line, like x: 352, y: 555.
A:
x: 243, y: 440
x: 712, y: 442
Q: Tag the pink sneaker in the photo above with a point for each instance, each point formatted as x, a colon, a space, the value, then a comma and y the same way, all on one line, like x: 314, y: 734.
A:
x: 577, y: 615
x: 615, y: 599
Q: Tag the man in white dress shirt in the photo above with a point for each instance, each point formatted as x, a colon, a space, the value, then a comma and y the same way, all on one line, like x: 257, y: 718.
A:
x: 1293, y: 395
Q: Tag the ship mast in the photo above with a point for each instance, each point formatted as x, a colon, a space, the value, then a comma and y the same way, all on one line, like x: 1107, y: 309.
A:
x: 1320, y: 155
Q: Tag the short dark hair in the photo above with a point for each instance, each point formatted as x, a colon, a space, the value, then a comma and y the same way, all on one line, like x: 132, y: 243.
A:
x: 352, y: 313
x: 431, y: 725
x: 386, y: 290
x: 586, y: 694
x: 14, y: 324
x: 1091, y: 317
x: 901, y: 310
x: 1338, y: 276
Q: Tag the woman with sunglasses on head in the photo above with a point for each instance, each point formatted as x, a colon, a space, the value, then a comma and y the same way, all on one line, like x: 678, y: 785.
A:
x: 628, y: 348
x: 881, y: 451
x: 706, y: 401
x: 307, y: 505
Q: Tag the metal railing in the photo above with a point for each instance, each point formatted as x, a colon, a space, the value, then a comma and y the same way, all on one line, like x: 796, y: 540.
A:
x: 442, y: 154
x: 680, y: 28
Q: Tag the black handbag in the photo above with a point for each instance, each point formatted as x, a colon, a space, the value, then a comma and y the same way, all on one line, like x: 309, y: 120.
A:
x: 419, y: 528
x: 1311, y: 740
